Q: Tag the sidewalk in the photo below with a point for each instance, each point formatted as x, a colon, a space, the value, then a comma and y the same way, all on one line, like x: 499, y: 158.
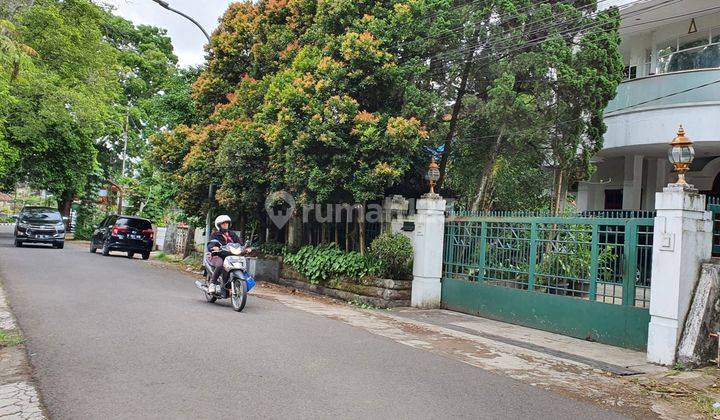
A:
x: 19, y: 398
x: 612, y: 377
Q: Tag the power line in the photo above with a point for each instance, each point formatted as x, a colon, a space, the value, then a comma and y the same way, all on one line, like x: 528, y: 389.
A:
x: 517, y: 14
x: 616, y: 110
x: 473, y: 46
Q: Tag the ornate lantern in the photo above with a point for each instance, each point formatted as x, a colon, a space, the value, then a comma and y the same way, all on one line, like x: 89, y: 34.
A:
x: 681, y: 155
x: 433, y: 174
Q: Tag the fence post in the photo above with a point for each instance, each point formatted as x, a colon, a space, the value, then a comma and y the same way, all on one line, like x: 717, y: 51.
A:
x: 630, y: 247
x: 594, y: 262
x: 428, y: 251
x: 682, y: 241
x: 533, y: 256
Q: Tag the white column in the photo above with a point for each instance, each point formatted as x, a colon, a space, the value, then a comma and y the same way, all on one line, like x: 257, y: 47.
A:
x: 632, y: 186
x: 584, y: 196
x: 428, y: 252
x: 682, y: 241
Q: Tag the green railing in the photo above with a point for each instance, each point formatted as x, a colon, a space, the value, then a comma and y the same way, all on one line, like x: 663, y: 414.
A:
x: 713, y: 205
x: 601, y: 256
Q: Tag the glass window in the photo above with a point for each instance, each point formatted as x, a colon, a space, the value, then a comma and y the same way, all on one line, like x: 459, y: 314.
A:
x: 700, y: 50
x: 40, y: 215
x: 141, y: 224
x: 667, y: 47
x: 630, y: 72
x: 697, y: 39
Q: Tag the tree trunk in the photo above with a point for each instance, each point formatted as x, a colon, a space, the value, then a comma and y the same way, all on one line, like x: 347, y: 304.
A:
x: 241, y: 226
x: 189, y: 243
x: 559, y: 191
x: 487, y: 172
x: 65, y: 203
x: 457, y: 106
x: 347, y: 234
x: 361, y: 229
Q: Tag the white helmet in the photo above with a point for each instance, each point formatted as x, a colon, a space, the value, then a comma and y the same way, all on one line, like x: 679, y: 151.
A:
x: 222, y: 219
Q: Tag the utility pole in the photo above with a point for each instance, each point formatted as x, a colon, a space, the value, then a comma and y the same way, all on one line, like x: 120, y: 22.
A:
x: 211, y: 187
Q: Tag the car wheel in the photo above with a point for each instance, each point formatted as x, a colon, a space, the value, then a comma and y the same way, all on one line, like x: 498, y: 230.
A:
x: 106, y: 250
x: 59, y: 245
x: 93, y: 248
x: 145, y: 255
x: 131, y: 254
x: 18, y: 243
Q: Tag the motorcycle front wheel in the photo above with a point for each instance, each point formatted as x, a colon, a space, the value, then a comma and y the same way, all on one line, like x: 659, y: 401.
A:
x: 209, y: 296
x: 239, y: 294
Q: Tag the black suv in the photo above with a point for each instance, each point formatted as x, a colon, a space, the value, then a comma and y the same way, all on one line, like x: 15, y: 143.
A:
x: 123, y: 233
x: 40, y: 225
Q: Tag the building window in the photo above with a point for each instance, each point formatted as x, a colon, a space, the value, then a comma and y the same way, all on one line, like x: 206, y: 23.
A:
x: 700, y: 50
x: 630, y: 72
x: 613, y: 199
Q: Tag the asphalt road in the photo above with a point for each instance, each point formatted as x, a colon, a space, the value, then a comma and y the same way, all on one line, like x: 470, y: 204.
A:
x: 111, y: 337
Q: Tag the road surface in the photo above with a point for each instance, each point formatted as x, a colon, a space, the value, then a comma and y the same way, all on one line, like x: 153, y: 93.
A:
x: 111, y: 337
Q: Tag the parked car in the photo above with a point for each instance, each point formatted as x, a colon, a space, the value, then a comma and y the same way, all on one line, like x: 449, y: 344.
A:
x: 123, y: 233
x: 40, y: 225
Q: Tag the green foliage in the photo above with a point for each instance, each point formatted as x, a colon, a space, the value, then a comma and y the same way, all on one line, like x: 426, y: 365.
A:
x: 325, y: 262
x: 10, y: 338
x: 272, y: 248
x: 304, y: 97
x: 571, y: 258
x: 395, y: 253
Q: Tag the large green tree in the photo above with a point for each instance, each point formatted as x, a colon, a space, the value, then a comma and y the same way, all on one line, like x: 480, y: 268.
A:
x: 65, y: 103
x: 536, y: 82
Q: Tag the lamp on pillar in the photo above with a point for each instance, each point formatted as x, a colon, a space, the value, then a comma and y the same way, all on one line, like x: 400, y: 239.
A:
x: 681, y: 155
x: 433, y: 175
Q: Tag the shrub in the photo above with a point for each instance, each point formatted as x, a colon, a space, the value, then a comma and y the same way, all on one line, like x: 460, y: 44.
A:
x: 394, y: 251
x: 272, y: 248
x: 325, y: 262
x: 88, y: 216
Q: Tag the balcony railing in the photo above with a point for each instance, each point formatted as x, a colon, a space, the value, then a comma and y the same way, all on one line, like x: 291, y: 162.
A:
x: 638, y: 91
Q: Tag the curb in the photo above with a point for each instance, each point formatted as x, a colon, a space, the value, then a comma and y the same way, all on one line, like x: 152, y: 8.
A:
x: 19, y: 397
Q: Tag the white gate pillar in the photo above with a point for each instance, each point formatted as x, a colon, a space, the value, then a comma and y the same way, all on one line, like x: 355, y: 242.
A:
x: 682, y: 241
x: 428, y: 251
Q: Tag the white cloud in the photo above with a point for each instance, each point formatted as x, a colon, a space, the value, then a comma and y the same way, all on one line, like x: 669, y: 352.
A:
x: 187, y: 39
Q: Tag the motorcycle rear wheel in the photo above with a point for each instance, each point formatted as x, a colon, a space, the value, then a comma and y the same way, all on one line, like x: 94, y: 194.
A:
x: 239, y: 294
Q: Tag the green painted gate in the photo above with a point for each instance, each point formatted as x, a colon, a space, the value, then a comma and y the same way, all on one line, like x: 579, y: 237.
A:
x: 586, y: 276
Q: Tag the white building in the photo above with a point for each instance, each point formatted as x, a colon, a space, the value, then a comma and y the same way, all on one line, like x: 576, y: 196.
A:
x: 669, y: 46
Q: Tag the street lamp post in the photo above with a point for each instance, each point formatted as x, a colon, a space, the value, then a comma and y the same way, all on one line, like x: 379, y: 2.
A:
x: 211, y: 187
x: 167, y: 6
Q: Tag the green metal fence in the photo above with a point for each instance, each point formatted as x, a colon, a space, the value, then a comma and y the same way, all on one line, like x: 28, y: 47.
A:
x: 591, y: 270
x: 713, y: 205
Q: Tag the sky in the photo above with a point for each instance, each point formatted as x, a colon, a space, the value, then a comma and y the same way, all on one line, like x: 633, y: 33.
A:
x: 186, y: 37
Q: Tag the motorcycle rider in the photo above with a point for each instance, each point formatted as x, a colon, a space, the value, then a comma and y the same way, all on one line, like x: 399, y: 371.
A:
x: 224, y: 236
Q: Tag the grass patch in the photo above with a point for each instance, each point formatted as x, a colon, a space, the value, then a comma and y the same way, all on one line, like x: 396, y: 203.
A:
x: 194, y: 260
x: 10, y: 338
x: 362, y: 305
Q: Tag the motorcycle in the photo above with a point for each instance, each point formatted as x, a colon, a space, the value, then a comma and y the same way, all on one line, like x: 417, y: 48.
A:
x: 235, y: 281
